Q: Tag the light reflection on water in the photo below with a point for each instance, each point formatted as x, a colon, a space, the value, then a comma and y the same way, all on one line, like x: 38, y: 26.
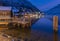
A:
x: 18, y: 34
x: 55, y: 36
x: 29, y: 35
x: 38, y: 32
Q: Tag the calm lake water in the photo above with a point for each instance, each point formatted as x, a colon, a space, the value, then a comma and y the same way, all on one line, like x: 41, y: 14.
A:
x: 42, y: 30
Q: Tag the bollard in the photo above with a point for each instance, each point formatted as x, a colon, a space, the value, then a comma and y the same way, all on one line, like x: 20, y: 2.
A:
x: 55, y: 23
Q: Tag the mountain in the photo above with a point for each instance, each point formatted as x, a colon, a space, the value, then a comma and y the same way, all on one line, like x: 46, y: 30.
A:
x: 54, y: 11
x: 19, y: 4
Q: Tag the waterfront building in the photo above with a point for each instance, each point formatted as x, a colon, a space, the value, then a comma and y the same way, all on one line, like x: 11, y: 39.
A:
x: 5, y: 14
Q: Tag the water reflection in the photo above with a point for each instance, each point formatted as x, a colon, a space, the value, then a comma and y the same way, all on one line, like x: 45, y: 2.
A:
x: 28, y: 35
x: 55, y: 36
x: 19, y: 34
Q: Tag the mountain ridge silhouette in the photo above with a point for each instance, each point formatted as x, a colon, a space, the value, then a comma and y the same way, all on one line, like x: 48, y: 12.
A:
x: 54, y: 11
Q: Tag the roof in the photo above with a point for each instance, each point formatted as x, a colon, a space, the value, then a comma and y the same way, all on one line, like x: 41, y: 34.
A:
x: 5, y: 8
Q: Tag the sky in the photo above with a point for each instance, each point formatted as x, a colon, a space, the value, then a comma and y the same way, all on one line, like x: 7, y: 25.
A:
x: 45, y: 5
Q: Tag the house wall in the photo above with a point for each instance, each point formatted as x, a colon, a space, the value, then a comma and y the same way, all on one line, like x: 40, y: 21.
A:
x: 5, y: 12
x: 5, y: 16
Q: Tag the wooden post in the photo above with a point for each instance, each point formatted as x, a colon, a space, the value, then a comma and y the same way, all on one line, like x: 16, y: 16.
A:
x: 55, y: 37
x: 55, y: 23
